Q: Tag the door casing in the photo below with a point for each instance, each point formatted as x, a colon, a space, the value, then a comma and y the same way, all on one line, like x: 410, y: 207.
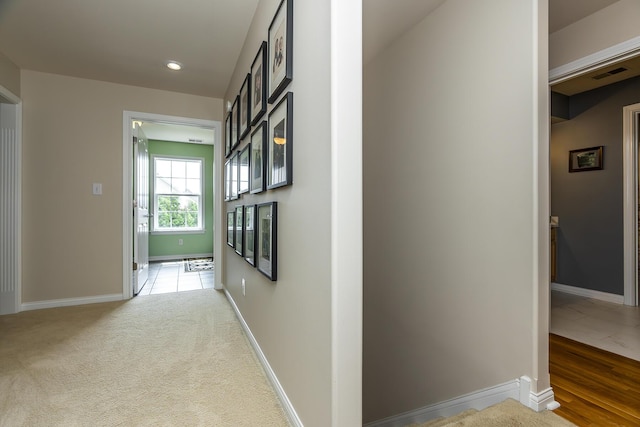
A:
x: 127, y: 190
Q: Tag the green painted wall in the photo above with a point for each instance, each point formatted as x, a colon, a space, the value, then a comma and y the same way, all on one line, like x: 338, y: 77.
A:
x: 163, y: 245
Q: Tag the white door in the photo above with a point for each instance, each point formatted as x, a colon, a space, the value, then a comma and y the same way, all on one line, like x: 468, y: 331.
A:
x: 141, y: 213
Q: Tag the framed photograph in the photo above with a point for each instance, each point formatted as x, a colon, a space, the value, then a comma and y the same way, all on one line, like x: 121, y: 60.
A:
x: 227, y: 181
x: 280, y: 144
x: 280, y: 64
x: 227, y: 135
x: 235, y: 139
x: 586, y: 159
x: 239, y: 235
x: 245, y: 107
x: 267, y: 232
x: 243, y: 169
x: 231, y: 228
x: 249, y: 234
x: 259, y: 84
x: 233, y: 184
x: 258, y: 162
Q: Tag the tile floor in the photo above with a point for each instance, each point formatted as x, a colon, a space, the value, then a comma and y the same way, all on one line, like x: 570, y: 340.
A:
x: 609, y: 326
x: 169, y: 276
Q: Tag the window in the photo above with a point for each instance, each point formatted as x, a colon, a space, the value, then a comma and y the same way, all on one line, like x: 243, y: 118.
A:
x: 177, y: 191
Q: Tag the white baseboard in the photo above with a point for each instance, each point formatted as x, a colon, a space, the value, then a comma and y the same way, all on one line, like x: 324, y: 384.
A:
x: 284, y: 400
x: 543, y: 400
x: 477, y: 400
x: 66, y: 302
x: 179, y: 257
x: 588, y: 293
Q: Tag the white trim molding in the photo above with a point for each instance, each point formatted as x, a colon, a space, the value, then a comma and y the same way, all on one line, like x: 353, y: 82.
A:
x: 608, y: 56
x: 630, y: 115
x: 67, y: 302
x: 179, y: 257
x: 282, y: 395
x: 518, y: 389
x: 588, y: 293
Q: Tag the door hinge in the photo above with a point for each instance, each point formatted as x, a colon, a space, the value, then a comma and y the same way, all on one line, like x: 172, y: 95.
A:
x: 135, y: 266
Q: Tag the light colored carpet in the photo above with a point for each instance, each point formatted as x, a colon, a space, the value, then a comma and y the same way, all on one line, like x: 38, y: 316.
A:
x: 505, y: 414
x: 177, y: 359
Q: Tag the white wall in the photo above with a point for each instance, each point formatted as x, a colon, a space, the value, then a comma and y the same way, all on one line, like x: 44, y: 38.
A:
x: 9, y: 75
x: 451, y: 212
x: 295, y: 319
x: 608, y: 27
x: 72, y: 240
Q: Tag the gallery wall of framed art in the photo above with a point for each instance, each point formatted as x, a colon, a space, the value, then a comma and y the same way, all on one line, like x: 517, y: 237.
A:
x: 258, y: 140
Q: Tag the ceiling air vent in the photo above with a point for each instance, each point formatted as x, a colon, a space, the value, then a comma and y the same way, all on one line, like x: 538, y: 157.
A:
x: 609, y: 73
x: 195, y: 140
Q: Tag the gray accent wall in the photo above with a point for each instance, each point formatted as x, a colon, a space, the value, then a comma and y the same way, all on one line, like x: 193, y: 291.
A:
x: 589, y: 204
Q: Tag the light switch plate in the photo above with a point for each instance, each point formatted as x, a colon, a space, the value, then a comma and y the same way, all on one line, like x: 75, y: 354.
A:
x: 97, y: 189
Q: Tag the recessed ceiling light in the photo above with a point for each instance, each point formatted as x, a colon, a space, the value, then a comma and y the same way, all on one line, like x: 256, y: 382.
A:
x: 173, y: 65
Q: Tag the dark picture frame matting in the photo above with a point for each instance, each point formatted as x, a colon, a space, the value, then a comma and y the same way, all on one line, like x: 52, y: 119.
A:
x: 233, y: 184
x: 249, y: 234
x: 586, y: 159
x: 280, y: 65
x: 239, y: 230
x: 280, y: 144
x: 267, y: 239
x: 245, y: 107
x: 231, y: 228
x: 258, y: 162
x: 259, y: 84
x: 235, y: 121
x: 227, y: 135
x: 244, y: 166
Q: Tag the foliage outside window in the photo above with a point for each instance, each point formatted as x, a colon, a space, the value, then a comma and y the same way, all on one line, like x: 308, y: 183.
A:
x: 177, y: 194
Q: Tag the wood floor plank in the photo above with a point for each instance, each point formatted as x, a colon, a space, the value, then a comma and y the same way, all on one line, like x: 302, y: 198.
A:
x: 594, y: 387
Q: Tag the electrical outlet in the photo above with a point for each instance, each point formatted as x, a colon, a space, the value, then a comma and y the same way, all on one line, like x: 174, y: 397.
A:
x: 180, y: 242
x: 244, y: 287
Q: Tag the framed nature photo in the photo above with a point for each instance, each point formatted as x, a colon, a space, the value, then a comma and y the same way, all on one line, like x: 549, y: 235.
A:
x: 231, y: 227
x: 239, y: 238
x: 586, y: 159
x: 245, y: 107
x: 249, y: 234
x: 280, y: 144
x: 235, y: 140
x: 258, y: 160
x: 267, y: 233
x: 259, y: 84
x: 280, y: 66
x: 227, y: 135
x: 243, y: 169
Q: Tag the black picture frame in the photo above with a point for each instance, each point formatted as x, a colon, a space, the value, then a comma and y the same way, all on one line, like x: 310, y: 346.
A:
x: 239, y: 230
x: 258, y: 162
x: 249, y: 234
x: 233, y: 184
x: 235, y: 122
x: 231, y: 228
x: 280, y: 144
x: 244, y: 169
x: 227, y: 135
x: 267, y: 239
x: 227, y: 180
x: 280, y: 64
x: 259, y: 84
x: 586, y: 159
x: 244, y: 123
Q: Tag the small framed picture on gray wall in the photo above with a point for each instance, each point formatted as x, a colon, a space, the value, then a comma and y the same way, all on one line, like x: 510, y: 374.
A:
x: 586, y: 159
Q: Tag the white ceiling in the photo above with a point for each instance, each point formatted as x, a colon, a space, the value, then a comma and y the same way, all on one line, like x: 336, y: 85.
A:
x: 128, y: 41
x: 177, y: 133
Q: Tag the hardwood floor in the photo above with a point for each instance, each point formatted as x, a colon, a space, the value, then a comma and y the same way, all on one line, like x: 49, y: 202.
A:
x: 594, y: 387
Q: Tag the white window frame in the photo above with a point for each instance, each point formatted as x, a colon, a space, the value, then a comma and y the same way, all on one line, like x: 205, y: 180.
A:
x: 200, y: 229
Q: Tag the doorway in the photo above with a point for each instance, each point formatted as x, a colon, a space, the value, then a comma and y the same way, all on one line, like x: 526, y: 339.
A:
x: 129, y: 117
